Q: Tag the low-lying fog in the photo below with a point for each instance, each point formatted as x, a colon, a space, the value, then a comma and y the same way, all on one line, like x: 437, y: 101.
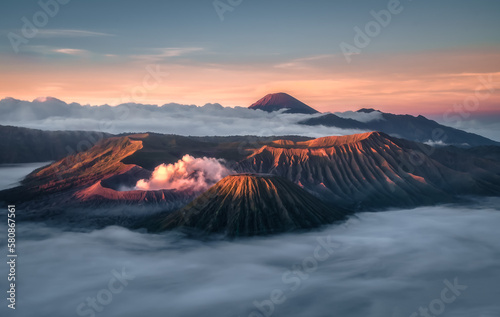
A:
x: 384, y: 264
x: 11, y: 174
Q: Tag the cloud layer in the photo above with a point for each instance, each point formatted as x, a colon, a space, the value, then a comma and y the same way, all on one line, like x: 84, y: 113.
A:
x: 210, y: 119
x: 12, y: 174
x: 383, y: 264
x: 48, y: 113
x: 361, y: 116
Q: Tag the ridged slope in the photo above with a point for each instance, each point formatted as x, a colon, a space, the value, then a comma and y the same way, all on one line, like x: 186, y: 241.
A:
x: 98, y: 194
x: 85, y: 168
x: 246, y: 205
x: 373, y: 170
x: 362, y: 171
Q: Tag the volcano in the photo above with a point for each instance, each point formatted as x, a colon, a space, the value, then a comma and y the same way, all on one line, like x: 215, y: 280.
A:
x: 253, y: 204
x: 374, y: 170
x: 362, y: 172
x: 274, y: 102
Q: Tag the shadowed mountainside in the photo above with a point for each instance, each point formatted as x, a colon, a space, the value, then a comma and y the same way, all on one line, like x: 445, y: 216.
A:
x: 23, y: 145
x: 85, y: 168
x: 419, y: 129
x: 98, y: 175
x: 373, y: 170
x: 247, y: 205
x: 368, y: 171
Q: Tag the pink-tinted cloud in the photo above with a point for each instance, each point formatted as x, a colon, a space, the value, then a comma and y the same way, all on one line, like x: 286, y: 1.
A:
x: 188, y: 174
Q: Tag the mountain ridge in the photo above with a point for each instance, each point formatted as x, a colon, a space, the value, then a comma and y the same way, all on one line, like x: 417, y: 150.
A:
x: 414, y: 128
x: 378, y: 171
x: 253, y: 204
x: 368, y: 171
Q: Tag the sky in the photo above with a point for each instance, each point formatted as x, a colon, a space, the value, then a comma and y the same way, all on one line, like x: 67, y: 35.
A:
x: 416, y: 57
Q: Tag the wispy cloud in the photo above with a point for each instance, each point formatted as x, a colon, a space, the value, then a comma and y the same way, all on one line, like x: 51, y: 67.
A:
x: 46, y: 33
x: 71, y: 51
x: 304, y: 61
x: 48, y: 50
x: 160, y: 54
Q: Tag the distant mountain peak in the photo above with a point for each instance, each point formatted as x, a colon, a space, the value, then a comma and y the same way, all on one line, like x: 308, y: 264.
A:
x: 278, y: 101
x: 46, y: 98
x: 366, y: 110
x: 9, y: 99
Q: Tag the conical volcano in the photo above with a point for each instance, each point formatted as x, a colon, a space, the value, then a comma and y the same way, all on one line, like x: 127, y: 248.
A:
x: 274, y: 102
x: 253, y: 204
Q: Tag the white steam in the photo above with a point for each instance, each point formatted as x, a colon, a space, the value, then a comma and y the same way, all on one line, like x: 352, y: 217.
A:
x: 188, y: 174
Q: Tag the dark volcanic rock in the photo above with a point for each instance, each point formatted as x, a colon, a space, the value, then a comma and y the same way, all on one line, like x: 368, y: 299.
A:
x: 409, y: 127
x: 23, y: 145
x: 249, y: 204
x: 372, y: 171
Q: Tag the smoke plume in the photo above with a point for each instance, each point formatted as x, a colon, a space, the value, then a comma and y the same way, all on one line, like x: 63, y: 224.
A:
x: 188, y: 174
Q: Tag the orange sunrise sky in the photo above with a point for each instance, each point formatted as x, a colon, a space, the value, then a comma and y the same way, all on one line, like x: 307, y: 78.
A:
x: 413, y: 65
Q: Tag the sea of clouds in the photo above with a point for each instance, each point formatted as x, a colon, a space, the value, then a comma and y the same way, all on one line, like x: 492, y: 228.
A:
x: 12, y: 174
x: 210, y: 119
x: 483, y: 124
x: 380, y: 264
